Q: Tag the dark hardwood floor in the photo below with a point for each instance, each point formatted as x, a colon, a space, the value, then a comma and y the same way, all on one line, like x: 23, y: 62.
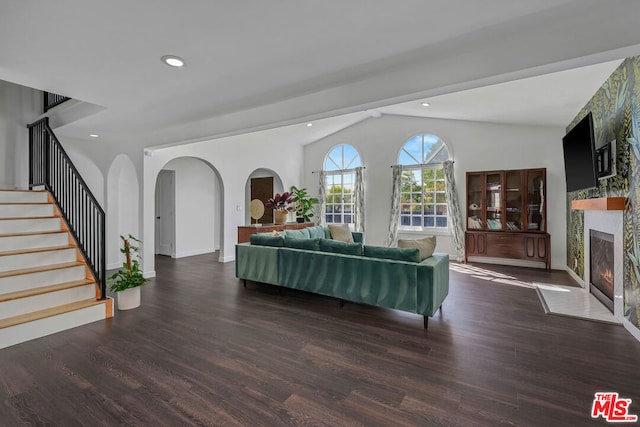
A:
x: 203, y: 350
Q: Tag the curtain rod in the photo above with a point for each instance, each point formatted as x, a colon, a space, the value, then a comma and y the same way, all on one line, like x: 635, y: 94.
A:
x: 340, y: 170
x: 422, y: 164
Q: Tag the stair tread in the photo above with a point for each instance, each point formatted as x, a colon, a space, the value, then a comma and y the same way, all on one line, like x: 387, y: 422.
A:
x: 33, y: 233
x: 37, y: 250
x: 28, y: 217
x: 39, y: 269
x: 25, y: 203
x: 49, y: 312
x: 44, y: 289
x: 17, y: 190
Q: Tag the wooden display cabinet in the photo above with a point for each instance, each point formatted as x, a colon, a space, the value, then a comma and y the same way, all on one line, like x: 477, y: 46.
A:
x: 506, y: 215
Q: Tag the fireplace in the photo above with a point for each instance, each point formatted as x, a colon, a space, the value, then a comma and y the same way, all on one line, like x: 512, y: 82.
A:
x: 601, y: 267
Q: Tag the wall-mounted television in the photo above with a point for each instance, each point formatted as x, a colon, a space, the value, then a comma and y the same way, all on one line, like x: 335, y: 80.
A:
x: 580, y: 156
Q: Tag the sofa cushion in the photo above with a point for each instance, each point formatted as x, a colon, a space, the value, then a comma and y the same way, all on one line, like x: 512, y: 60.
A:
x: 296, y: 243
x: 338, y: 247
x: 266, y: 239
x: 316, y: 232
x: 426, y: 245
x: 398, y: 254
x: 303, y: 233
x: 341, y: 232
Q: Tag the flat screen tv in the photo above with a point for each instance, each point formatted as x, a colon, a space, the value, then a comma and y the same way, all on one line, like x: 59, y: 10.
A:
x: 580, y: 156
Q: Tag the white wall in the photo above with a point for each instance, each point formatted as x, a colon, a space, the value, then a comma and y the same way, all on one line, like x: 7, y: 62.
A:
x: 234, y: 159
x: 19, y: 106
x: 473, y: 146
x: 197, y: 211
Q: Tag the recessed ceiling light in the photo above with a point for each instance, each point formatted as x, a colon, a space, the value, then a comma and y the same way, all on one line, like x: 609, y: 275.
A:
x: 425, y: 104
x: 173, y: 61
x: 309, y: 125
x: 94, y: 135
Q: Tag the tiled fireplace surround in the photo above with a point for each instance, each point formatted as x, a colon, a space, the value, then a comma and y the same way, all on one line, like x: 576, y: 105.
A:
x: 610, y: 222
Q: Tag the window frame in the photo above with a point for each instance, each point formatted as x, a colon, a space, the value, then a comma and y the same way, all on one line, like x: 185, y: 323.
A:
x: 347, y: 180
x: 439, y: 202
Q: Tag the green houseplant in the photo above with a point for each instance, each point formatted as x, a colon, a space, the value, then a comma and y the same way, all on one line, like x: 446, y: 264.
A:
x: 303, y: 204
x: 127, y: 281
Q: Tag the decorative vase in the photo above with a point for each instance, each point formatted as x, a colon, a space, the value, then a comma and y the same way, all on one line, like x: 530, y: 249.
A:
x: 129, y: 298
x: 280, y: 217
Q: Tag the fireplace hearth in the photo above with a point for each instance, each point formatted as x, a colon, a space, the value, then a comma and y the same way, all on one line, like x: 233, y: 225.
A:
x: 601, y: 267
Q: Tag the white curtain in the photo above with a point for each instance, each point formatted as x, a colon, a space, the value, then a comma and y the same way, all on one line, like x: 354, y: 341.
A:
x: 455, y: 217
x: 359, y: 200
x: 394, y: 215
x: 322, y: 197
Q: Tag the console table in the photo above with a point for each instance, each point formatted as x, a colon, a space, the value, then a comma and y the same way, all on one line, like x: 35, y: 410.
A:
x: 244, y: 231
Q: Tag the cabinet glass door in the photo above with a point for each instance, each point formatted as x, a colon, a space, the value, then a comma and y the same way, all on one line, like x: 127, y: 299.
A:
x: 494, y: 203
x: 474, y: 202
x: 535, y: 200
x: 513, y: 193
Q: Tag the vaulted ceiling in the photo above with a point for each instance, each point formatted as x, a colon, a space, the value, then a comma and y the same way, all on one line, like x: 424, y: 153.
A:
x: 254, y: 65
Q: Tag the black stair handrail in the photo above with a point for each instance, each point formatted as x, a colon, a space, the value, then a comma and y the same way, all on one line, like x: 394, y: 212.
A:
x: 51, y: 167
x: 50, y: 100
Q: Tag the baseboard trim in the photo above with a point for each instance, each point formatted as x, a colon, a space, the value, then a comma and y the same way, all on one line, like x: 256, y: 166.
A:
x: 149, y: 274
x: 114, y: 266
x: 227, y: 258
x: 193, y: 253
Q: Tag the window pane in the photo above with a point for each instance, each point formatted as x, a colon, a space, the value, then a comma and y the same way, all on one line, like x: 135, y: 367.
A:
x: 328, y: 218
x: 428, y: 221
x: 337, y: 219
x: 441, y: 221
x: 415, y: 220
x: 405, y: 220
x: 440, y: 198
x: 441, y: 210
x: 429, y: 210
x: 348, y: 219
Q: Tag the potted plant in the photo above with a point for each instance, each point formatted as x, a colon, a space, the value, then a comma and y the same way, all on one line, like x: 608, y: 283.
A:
x: 127, y: 281
x: 303, y: 204
x: 280, y: 203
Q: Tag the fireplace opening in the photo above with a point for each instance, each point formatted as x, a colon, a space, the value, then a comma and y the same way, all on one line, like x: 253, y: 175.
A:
x: 601, y: 267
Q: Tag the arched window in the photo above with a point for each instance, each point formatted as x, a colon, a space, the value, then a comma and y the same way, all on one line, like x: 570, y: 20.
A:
x: 339, y: 168
x: 422, y: 194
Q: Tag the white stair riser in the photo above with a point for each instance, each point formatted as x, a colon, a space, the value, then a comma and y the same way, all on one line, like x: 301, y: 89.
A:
x: 17, y: 243
x: 50, y: 299
x: 40, y: 328
x: 11, y: 226
x: 29, y: 260
x: 23, y: 197
x: 22, y: 282
x: 25, y: 211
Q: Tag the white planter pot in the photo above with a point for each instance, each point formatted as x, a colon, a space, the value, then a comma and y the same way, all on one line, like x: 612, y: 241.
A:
x: 129, y: 298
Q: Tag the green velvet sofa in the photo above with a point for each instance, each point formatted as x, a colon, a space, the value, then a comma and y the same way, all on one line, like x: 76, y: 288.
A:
x: 386, y: 277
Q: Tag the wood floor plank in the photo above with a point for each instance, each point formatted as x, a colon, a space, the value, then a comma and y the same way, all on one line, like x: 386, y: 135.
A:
x: 204, y: 350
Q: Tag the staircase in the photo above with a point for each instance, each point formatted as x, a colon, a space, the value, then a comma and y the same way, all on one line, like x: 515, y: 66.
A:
x: 45, y: 283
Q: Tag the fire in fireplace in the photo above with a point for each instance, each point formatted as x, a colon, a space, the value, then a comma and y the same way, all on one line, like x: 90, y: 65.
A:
x: 601, y: 267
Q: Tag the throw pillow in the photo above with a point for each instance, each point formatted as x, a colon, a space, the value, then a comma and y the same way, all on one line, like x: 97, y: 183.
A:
x: 266, y: 239
x: 426, y: 246
x: 338, y: 247
x: 341, y: 232
x: 298, y: 234
x: 398, y: 254
x: 308, y: 244
x: 316, y: 232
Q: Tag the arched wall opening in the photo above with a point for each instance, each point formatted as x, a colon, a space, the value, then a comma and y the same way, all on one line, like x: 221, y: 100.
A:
x: 122, y: 207
x: 189, y: 200
x: 278, y: 187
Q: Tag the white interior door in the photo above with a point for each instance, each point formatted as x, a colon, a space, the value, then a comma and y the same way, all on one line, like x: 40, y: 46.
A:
x: 165, y: 213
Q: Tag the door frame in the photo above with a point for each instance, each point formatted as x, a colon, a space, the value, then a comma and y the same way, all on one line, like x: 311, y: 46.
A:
x: 165, y: 188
